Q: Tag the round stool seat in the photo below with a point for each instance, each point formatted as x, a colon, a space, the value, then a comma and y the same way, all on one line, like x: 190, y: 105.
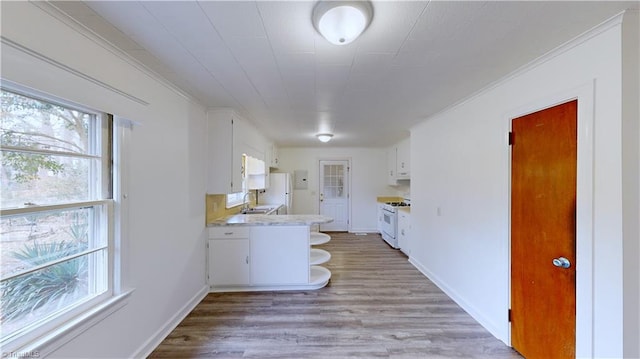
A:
x: 317, y: 238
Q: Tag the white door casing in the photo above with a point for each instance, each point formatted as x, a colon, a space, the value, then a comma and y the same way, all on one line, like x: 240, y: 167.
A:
x: 334, y: 194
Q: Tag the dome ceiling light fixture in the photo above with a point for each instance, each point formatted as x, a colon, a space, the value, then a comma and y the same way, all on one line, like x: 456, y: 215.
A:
x: 341, y: 22
x: 324, y: 137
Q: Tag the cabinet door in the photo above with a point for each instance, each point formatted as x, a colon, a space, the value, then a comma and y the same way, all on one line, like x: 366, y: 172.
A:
x: 224, y: 153
x: 404, y: 232
x: 229, y: 262
x: 237, y: 150
x: 391, y: 165
x: 274, y: 156
x: 279, y: 255
x: 403, y: 161
x: 219, y: 152
x: 380, y: 218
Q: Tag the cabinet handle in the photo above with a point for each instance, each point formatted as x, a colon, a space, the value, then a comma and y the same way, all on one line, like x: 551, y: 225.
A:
x: 246, y: 259
x: 228, y: 233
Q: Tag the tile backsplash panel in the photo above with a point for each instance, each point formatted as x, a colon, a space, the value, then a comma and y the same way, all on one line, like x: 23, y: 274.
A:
x: 216, y: 207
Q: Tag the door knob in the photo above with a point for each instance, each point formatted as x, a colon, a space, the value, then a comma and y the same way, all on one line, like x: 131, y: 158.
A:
x: 561, y: 262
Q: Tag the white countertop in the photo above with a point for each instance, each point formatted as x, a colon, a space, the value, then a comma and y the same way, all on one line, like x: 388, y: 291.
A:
x: 270, y: 220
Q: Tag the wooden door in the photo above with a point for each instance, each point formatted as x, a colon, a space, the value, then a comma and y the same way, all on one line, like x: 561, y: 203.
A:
x: 543, y: 231
x: 334, y: 194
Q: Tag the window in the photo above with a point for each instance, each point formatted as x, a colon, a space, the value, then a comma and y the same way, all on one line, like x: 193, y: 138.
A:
x: 235, y: 199
x: 56, y: 257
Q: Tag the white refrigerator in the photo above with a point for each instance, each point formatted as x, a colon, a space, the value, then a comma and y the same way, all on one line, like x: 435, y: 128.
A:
x: 279, y: 191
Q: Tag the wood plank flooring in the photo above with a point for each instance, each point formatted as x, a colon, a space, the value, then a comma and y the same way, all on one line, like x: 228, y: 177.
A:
x: 377, y: 305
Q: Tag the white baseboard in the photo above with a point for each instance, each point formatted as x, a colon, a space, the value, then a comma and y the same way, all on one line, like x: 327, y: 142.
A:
x: 147, y: 348
x: 466, y: 306
x: 363, y: 230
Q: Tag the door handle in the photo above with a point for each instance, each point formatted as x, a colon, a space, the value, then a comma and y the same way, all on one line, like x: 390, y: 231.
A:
x: 561, y: 262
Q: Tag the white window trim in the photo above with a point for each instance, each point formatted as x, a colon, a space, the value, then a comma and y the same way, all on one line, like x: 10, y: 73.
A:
x: 234, y: 201
x: 50, y: 336
x: 53, y: 340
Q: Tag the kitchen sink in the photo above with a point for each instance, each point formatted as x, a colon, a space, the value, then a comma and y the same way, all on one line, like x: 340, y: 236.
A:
x: 257, y: 211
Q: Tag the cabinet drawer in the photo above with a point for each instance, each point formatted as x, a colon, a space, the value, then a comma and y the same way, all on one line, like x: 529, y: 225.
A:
x: 229, y: 232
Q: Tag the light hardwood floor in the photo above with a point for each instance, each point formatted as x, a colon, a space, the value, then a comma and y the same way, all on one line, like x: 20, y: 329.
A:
x: 377, y: 305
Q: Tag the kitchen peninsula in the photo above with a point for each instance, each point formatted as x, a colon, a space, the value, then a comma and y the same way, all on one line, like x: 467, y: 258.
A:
x: 256, y: 252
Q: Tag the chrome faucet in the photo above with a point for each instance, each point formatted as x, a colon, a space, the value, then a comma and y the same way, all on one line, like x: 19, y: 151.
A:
x: 245, y: 204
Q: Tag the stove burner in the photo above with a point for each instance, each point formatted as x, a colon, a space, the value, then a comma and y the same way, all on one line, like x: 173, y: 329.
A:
x: 398, y: 204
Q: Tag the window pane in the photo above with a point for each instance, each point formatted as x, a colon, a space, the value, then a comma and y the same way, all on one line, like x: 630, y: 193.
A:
x: 34, y: 124
x: 51, y: 155
x: 44, y: 179
x: 32, y: 240
x: 33, y: 297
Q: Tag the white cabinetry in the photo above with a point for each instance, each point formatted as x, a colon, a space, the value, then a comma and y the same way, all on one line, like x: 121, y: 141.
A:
x: 404, y: 231
x: 224, y: 150
x: 398, y: 162
x: 380, y: 217
x: 279, y: 255
x: 271, y: 155
x: 252, y: 258
x: 403, y: 169
x: 229, y: 253
x: 391, y: 165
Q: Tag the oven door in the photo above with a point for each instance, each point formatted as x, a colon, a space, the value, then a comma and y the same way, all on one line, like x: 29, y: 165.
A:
x: 389, y: 224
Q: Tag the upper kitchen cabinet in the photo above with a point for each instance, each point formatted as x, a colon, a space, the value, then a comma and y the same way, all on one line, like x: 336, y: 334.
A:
x: 224, y: 152
x: 403, y: 168
x: 271, y: 155
x: 398, y: 162
x: 392, y: 158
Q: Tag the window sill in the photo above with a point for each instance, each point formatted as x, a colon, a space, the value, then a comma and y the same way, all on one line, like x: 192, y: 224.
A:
x: 52, y: 341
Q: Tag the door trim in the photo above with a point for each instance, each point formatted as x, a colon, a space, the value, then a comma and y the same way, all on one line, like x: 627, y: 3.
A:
x: 349, y: 203
x: 584, y: 206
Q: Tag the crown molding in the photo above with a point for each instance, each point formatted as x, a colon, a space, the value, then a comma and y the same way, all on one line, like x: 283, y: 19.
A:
x: 52, y: 10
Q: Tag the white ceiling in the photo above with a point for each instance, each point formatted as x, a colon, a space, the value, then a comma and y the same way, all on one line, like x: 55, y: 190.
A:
x: 265, y: 59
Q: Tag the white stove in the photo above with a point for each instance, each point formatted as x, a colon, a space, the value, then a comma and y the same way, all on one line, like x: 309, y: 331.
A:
x: 390, y: 221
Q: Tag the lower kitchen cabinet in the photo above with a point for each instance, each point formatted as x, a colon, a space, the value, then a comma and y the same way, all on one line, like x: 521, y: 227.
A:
x: 404, y: 231
x: 279, y: 255
x: 380, y: 216
x: 229, y: 262
x: 253, y: 258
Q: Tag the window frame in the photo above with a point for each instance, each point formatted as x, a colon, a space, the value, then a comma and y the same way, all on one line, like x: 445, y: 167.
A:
x: 108, y: 143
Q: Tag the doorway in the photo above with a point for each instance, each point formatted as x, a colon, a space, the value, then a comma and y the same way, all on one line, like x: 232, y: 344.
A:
x: 334, y: 194
x: 543, y: 232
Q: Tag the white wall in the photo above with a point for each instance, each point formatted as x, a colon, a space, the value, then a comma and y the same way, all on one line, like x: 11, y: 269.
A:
x: 631, y: 181
x: 166, y: 257
x: 466, y: 249
x: 368, y: 180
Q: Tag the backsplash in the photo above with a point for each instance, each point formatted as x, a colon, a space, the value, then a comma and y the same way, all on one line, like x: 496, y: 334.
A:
x: 216, y: 207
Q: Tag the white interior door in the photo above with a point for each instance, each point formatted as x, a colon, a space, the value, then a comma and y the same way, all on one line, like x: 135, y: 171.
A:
x: 334, y: 194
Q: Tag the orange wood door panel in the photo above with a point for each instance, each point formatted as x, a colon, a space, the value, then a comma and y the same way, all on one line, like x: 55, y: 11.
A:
x: 543, y: 228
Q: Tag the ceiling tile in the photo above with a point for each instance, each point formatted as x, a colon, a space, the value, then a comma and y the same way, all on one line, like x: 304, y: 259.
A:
x: 130, y: 17
x: 187, y: 23
x: 266, y: 59
x: 234, y: 18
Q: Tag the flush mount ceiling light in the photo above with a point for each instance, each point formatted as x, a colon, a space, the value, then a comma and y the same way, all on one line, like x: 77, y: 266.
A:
x: 324, y: 137
x: 341, y: 22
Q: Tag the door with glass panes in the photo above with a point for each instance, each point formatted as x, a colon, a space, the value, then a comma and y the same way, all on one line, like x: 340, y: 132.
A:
x: 334, y: 194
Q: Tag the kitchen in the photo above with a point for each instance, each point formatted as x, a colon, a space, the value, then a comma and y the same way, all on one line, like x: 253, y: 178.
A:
x: 458, y: 181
